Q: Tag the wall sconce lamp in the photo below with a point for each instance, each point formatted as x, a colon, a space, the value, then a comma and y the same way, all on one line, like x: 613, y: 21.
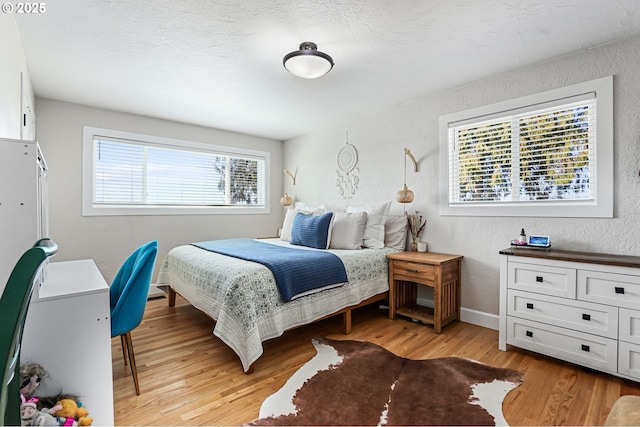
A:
x: 286, y: 200
x: 405, y: 195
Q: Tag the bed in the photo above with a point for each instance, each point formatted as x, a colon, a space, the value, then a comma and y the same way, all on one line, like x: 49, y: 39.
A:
x: 244, y: 300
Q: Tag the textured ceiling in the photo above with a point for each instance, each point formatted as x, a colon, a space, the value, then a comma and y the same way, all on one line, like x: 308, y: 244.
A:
x: 219, y: 63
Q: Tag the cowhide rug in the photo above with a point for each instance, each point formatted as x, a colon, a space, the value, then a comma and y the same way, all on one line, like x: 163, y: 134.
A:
x: 360, y: 383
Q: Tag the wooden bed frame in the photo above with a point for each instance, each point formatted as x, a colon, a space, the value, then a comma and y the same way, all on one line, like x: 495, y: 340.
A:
x: 346, y: 313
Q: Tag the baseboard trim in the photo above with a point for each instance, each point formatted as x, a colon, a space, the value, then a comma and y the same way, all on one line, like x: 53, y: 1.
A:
x: 475, y: 317
x: 480, y: 318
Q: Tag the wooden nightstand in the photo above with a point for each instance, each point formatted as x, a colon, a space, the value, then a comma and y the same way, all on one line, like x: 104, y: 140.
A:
x: 439, y: 271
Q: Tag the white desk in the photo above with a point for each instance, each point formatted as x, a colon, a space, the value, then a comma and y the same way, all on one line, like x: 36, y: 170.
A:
x: 68, y: 332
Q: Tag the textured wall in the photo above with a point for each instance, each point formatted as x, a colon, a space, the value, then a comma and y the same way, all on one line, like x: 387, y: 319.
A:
x: 110, y: 239
x: 380, y: 140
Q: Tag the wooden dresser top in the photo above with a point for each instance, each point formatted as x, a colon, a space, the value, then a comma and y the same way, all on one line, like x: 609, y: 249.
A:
x: 587, y: 257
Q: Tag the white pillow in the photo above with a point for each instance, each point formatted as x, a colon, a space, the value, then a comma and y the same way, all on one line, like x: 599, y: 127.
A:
x: 309, y: 209
x: 347, y: 231
x: 376, y: 218
x: 285, y: 234
x: 395, y: 232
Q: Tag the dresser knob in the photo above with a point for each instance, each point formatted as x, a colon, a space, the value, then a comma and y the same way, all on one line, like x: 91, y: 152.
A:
x: 619, y: 290
x: 529, y: 334
x: 530, y: 305
x: 586, y: 316
x: 539, y: 279
x: 585, y: 348
x: 410, y: 270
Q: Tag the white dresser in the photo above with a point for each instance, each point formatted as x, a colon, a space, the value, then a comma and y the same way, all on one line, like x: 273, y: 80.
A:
x: 579, y: 307
x: 68, y: 332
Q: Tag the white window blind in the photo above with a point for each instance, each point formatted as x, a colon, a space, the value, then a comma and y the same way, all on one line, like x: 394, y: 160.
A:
x: 134, y: 174
x: 541, y: 154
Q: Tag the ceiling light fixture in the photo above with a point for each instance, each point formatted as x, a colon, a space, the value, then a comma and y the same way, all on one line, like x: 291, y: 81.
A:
x: 308, y: 62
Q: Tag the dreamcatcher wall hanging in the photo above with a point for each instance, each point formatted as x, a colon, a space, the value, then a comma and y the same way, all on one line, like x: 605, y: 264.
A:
x: 348, y: 171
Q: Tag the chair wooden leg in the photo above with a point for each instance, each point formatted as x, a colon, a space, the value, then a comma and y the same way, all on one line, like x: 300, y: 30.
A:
x: 124, y: 349
x: 132, y: 361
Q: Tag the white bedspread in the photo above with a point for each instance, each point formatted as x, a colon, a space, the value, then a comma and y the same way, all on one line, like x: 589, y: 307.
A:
x: 244, y: 299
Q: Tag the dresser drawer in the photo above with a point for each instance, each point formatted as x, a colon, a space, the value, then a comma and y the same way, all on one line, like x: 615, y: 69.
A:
x: 630, y: 325
x: 584, y: 349
x: 629, y: 359
x: 542, y: 279
x: 581, y: 316
x: 621, y: 290
x: 414, y: 272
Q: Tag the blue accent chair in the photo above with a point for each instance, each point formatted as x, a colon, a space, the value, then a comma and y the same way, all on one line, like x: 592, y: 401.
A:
x: 128, y: 293
x: 14, y: 305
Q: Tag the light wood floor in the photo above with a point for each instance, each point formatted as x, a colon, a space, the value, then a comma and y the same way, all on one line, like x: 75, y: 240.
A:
x: 189, y: 377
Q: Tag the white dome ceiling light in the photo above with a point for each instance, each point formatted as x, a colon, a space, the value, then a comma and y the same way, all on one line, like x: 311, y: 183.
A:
x: 308, y: 62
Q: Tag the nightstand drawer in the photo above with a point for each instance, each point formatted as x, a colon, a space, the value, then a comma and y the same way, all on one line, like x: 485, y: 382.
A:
x: 414, y: 272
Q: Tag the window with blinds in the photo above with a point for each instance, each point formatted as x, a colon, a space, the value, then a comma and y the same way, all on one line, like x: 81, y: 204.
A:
x: 543, y: 155
x: 537, y: 157
x: 138, y: 174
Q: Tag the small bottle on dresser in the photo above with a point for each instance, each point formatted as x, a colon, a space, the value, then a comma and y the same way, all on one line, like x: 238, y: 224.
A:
x: 523, y: 237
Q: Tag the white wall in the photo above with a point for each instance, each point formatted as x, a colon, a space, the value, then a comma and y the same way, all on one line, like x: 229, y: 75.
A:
x: 110, y: 239
x: 12, y: 64
x: 380, y: 140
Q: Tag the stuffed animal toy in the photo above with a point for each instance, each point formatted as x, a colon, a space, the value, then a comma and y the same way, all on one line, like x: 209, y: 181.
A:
x: 30, y: 377
x: 72, y: 412
x: 30, y: 416
x: 66, y: 411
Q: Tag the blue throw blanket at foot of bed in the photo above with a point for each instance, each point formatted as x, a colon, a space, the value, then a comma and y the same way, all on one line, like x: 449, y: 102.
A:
x: 296, y: 271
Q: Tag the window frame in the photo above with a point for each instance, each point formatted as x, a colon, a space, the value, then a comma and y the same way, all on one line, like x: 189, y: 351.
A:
x: 602, y: 207
x: 91, y: 209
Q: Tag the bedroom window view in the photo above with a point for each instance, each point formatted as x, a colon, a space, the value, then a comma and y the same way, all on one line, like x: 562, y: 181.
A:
x: 545, y: 155
x: 131, y: 174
